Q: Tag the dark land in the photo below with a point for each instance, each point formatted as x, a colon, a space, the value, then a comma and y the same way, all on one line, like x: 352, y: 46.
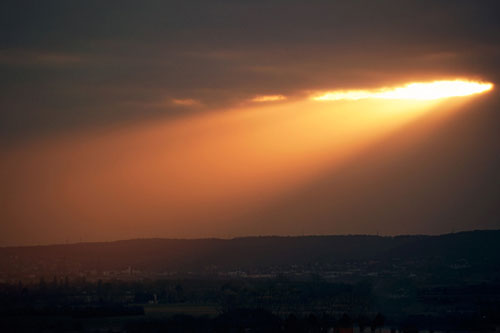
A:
x: 260, y: 284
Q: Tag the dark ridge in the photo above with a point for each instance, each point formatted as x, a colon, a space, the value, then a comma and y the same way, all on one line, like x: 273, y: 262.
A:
x: 257, y: 252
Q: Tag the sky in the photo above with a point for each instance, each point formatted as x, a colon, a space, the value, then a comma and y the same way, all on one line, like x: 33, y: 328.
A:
x: 125, y: 119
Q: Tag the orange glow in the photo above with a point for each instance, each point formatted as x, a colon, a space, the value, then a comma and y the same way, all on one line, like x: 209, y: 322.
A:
x: 185, y: 177
x: 268, y: 98
x: 413, y: 91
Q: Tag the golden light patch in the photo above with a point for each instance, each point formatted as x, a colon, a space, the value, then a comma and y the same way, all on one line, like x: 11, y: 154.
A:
x: 413, y: 91
x: 268, y: 98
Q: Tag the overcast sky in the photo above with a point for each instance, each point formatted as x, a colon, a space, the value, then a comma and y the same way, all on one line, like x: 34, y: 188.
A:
x: 68, y: 64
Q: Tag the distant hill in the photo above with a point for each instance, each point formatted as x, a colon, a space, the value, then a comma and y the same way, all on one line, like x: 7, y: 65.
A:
x: 255, y: 252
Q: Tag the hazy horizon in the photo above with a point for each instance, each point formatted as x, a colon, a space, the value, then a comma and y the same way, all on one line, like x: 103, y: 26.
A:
x: 229, y: 238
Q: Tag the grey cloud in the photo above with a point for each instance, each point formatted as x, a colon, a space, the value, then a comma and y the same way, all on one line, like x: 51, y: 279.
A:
x: 71, y: 64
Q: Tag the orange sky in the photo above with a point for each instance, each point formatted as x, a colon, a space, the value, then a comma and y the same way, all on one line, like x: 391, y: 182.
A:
x: 192, y: 176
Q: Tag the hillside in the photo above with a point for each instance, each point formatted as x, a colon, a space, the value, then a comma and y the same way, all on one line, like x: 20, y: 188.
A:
x: 254, y: 253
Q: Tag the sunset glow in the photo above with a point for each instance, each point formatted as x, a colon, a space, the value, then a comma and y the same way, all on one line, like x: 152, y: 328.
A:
x: 414, y: 91
x: 208, y: 166
x: 224, y: 163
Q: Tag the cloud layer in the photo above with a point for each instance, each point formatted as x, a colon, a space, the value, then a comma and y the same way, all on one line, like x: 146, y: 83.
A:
x: 69, y: 65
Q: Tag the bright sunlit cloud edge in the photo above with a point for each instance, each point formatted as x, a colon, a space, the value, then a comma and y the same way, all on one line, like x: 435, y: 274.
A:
x: 410, y: 91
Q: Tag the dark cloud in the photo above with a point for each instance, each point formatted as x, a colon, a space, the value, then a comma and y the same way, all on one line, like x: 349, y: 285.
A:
x: 71, y: 64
